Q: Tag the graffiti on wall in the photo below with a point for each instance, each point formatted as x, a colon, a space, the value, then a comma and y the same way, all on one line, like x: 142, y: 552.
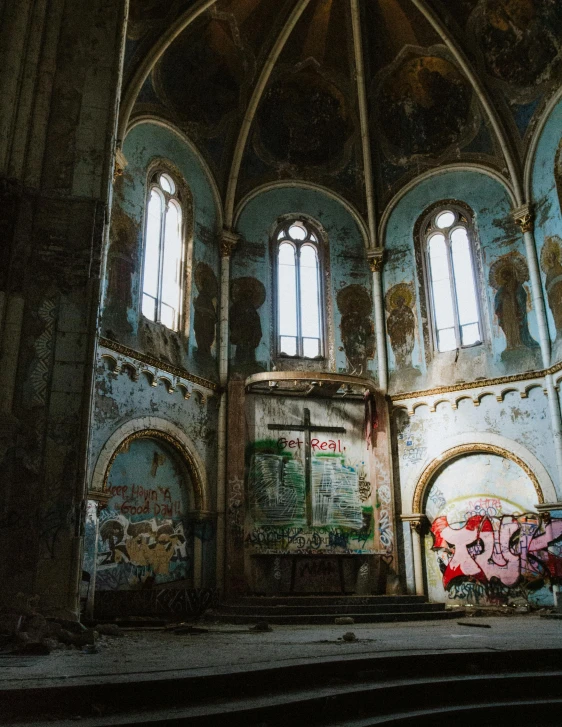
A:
x: 509, y: 549
x: 144, y: 536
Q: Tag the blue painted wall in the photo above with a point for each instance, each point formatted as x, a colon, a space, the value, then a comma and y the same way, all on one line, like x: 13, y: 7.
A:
x: 348, y: 260
x: 547, y: 202
x: 145, y: 143
x: 497, y: 235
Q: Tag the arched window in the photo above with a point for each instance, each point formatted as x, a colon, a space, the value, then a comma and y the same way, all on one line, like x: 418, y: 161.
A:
x: 163, y: 252
x: 448, y: 239
x: 299, y: 291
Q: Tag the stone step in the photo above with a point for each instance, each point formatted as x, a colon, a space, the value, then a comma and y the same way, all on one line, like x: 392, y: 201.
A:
x: 282, y: 609
x: 328, y: 618
x: 337, y: 599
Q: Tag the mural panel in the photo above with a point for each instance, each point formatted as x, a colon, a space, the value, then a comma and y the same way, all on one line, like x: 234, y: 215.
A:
x: 401, y: 323
x: 145, y: 538
x: 357, y: 329
x: 552, y: 267
x: 424, y: 108
x: 486, y: 543
x: 507, y: 276
x: 519, y: 40
x: 247, y: 295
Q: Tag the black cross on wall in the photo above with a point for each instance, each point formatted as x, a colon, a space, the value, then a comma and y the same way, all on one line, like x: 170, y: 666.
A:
x: 307, y: 427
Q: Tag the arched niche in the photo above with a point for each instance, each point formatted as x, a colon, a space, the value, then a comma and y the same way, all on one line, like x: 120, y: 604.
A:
x: 145, y: 532
x: 484, y: 541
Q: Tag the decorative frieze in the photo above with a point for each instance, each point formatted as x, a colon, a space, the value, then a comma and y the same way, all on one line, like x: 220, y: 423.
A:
x: 134, y: 363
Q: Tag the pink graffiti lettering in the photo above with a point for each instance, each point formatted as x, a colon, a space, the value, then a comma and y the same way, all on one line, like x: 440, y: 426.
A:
x: 508, y: 548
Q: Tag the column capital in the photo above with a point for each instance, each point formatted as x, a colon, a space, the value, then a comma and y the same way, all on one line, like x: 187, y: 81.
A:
x: 524, y: 217
x: 228, y: 242
x: 418, y: 522
x: 548, y: 507
x: 375, y: 256
x: 120, y: 163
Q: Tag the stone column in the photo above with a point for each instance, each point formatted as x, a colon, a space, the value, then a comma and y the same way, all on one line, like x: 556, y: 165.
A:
x: 525, y: 219
x: 376, y: 257
x: 417, y: 529
x: 228, y: 241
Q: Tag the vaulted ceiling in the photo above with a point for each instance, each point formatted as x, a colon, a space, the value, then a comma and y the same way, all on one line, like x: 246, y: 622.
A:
x: 356, y: 95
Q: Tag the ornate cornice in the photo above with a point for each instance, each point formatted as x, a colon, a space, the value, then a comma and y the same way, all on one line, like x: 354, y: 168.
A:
x: 375, y: 256
x: 228, y: 242
x: 478, y: 384
x: 524, y: 218
x: 463, y: 449
x: 157, y: 363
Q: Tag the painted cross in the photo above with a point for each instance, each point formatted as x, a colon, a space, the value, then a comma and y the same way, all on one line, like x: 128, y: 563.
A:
x: 307, y: 427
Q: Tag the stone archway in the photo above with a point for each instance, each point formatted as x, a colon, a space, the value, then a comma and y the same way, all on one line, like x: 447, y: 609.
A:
x: 483, y: 541
x: 150, y: 532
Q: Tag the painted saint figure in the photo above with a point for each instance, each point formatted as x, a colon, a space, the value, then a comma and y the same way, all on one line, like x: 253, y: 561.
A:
x: 401, y: 323
x: 205, y: 317
x: 507, y: 276
x: 247, y: 295
x: 354, y: 303
x: 552, y: 267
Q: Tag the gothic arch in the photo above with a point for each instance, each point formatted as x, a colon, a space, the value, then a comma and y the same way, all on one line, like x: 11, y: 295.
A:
x: 161, y: 430
x: 438, y: 464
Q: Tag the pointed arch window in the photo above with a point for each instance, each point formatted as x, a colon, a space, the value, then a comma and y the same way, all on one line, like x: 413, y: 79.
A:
x: 449, y: 239
x: 162, y: 289
x: 299, y: 291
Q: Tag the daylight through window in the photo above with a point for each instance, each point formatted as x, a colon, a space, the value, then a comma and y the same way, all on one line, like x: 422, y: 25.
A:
x: 454, y: 297
x: 298, y: 292
x: 163, y: 254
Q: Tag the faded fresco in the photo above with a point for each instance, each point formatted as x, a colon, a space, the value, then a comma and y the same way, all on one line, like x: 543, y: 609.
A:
x: 144, y: 536
x: 247, y: 295
x: 401, y: 323
x: 552, y: 267
x: 205, y: 307
x: 357, y: 328
x: 424, y: 108
x: 508, y: 275
x: 303, y: 120
x: 518, y: 40
x: 487, y: 544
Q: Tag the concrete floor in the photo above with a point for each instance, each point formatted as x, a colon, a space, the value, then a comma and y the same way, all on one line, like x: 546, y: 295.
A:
x: 147, y: 654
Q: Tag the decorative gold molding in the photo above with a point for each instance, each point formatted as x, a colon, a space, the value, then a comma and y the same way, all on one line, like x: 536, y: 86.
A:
x: 463, y: 449
x: 184, y: 453
x: 120, y: 164
x: 418, y: 522
x: 375, y: 256
x: 157, y: 363
x: 479, y: 383
x: 228, y: 242
x: 524, y: 218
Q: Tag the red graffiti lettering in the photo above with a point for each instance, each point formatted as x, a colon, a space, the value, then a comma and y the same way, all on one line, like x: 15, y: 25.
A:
x: 507, y: 548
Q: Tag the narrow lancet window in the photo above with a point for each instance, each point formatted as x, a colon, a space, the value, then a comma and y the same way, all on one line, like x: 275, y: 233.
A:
x: 449, y: 243
x: 299, y: 314
x: 163, y: 254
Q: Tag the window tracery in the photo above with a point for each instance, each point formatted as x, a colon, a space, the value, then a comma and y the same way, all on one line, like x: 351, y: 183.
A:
x: 299, y: 294
x: 448, y: 240
x: 163, y: 265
